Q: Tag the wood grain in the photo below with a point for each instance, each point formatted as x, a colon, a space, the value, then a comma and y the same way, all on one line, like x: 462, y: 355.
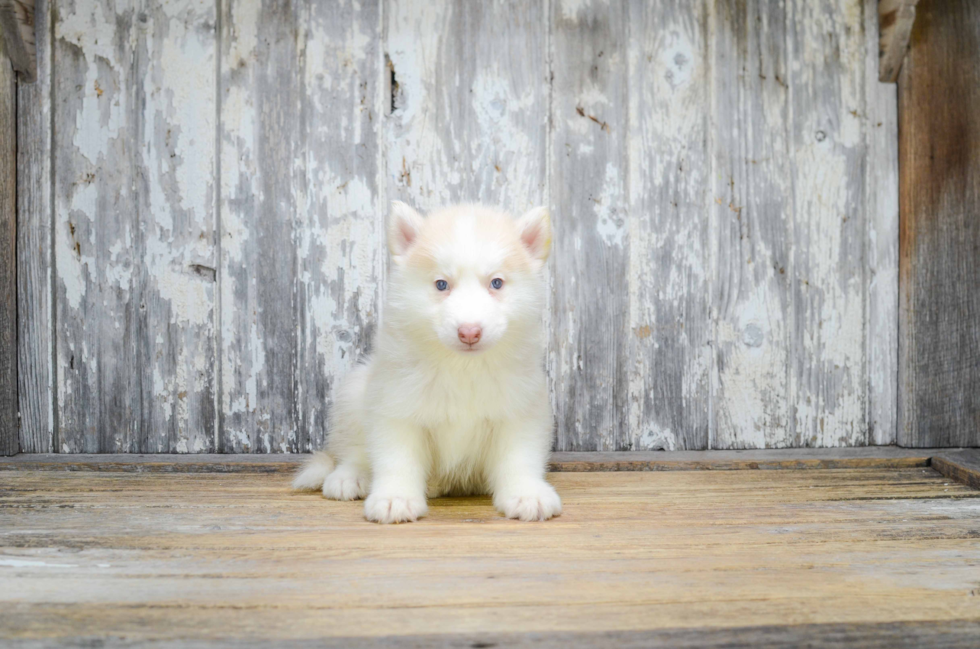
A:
x: 950, y: 634
x: 895, y: 20
x: 670, y: 327
x: 263, y: 153
x: 229, y: 558
x: 35, y: 257
x: 468, y: 113
x: 98, y: 234
x: 175, y: 193
x: 939, y: 162
x: 962, y: 466
x: 9, y: 422
x: 751, y: 204
x: 341, y: 221
x: 17, y: 20
x: 590, y: 348
x: 828, y: 377
x: 747, y: 460
x: 881, y: 241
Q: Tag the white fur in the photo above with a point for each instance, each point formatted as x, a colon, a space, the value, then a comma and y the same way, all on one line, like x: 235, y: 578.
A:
x: 426, y: 415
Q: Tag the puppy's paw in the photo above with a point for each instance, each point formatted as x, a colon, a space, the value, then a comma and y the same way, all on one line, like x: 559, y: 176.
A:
x: 535, y: 501
x: 392, y: 508
x: 346, y: 483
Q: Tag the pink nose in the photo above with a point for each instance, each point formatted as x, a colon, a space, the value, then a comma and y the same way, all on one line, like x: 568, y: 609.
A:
x: 470, y: 333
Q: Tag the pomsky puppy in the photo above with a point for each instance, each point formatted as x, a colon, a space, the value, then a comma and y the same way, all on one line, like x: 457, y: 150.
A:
x: 454, y: 397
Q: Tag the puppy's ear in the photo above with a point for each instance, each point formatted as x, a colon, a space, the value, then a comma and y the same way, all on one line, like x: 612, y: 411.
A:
x: 535, y: 229
x: 403, y: 228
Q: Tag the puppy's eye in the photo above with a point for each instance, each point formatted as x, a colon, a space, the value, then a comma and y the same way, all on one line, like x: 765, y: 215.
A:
x: 497, y: 282
x: 442, y: 284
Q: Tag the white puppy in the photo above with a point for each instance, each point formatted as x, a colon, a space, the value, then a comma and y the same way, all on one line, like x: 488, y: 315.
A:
x: 454, y: 397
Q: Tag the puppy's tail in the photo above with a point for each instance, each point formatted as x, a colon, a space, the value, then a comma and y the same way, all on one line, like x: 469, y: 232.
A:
x: 314, y: 471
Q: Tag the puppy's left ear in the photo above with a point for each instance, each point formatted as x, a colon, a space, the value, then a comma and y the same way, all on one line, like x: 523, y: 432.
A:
x: 403, y: 229
x: 535, y: 229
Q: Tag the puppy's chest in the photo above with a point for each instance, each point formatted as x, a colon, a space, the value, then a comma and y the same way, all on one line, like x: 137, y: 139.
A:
x: 463, y: 399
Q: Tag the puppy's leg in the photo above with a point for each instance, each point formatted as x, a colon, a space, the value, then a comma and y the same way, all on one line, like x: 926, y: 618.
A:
x: 516, y: 470
x: 399, y: 464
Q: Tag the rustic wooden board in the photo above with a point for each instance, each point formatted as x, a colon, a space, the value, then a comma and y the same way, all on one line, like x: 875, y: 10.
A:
x: 590, y: 348
x: 819, y: 458
x: 9, y: 424
x: 949, y: 634
x: 751, y: 202
x: 226, y: 558
x: 99, y: 322
x: 341, y: 222
x: 829, y: 366
x: 670, y: 327
x: 468, y: 103
x: 175, y: 190
x: 960, y: 465
x: 939, y: 370
x: 262, y: 162
x: 35, y: 259
x: 881, y: 214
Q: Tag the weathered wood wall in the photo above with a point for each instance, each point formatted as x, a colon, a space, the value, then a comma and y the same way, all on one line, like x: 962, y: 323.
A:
x: 939, y: 94
x: 9, y: 434
x: 208, y: 184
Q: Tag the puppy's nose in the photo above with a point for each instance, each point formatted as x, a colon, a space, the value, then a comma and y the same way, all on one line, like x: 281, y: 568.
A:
x: 470, y: 333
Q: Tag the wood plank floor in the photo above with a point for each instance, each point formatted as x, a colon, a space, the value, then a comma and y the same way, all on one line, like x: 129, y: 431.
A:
x: 872, y: 556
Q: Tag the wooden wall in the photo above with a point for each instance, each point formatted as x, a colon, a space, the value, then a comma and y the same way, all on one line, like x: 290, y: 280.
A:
x: 940, y: 227
x: 201, y: 243
x: 9, y: 441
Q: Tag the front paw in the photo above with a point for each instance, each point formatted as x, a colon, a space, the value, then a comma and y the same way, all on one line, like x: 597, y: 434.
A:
x: 390, y: 508
x: 537, y: 501
x: 345, y: 484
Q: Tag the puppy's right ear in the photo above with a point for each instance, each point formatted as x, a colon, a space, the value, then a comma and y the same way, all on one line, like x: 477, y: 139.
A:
x: 403, y: 228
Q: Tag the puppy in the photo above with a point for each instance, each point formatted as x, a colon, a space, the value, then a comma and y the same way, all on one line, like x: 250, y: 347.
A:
x: 454, y: 398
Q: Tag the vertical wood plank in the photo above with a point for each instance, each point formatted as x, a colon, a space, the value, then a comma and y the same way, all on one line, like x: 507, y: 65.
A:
x: 262, y: 178
x: 9, y: 433
x: 939, y: 262
x: 669, y: 319
x: 175, y: 188
x: 826, y: 43
x: 752, y: 216
x: 469, y: 103
x: 97, y: 234
x: 881, y: 208
x: 341, y: 238
x: 590, y: 309
x: 35, y: 261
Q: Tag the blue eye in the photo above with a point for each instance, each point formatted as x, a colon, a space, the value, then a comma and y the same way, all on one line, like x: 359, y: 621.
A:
x: 497, y: 282
x: 442, y: 284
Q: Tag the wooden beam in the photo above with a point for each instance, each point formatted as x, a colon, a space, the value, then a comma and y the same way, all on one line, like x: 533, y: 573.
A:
x: 895, y: 19
x: 17, y: 27
x: 962, y: 466
x: 9, y: 430
x: 880, y: 457
x: 939, y: 240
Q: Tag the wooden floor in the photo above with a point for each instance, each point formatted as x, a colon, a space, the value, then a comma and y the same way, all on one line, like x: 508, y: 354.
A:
x: 868, y: 556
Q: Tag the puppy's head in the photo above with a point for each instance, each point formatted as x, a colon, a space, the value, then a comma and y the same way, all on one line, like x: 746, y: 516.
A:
x: 467, y: 277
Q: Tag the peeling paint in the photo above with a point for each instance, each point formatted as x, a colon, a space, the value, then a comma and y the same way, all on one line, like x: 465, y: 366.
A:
x: 717, y: 185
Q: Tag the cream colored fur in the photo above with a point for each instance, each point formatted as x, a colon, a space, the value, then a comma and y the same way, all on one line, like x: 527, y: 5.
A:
x: 426, y: 414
